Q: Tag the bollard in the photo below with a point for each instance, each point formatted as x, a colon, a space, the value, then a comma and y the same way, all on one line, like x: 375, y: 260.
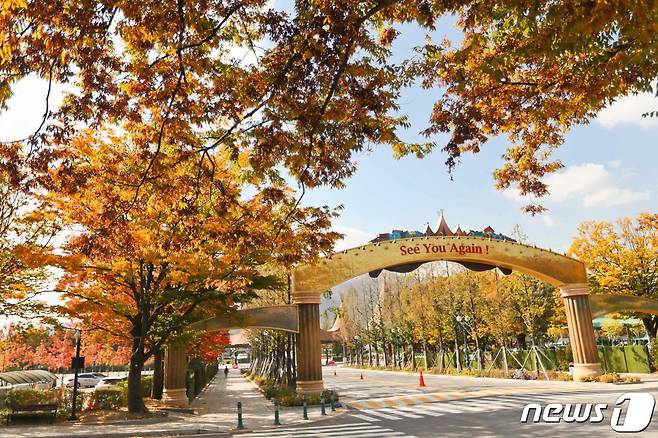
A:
x: 421, y: 381
x: 240, y: 425
x: 322, y: 409
x: 361, y: 376
x: 334, y: 372
x: 276, y: 413
x: 333, y: 402
x: 305, y: 410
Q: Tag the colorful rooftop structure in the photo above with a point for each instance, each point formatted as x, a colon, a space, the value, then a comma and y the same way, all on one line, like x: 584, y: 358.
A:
x: 442, y: 229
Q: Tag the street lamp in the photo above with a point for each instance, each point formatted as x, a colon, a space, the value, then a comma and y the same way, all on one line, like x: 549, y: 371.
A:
x: 76, y: 365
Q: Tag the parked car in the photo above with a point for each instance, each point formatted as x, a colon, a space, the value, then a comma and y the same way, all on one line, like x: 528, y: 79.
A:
x: 85, y: 380
x: 109, y: 382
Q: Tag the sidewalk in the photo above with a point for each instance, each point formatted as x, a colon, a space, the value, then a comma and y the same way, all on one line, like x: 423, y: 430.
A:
x: 216, y: 409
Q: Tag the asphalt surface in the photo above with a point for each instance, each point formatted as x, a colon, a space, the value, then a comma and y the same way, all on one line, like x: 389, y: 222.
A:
x: 394, y: 405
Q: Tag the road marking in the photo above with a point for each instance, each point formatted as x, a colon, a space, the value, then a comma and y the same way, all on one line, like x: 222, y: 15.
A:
x: 312, y: 431
x: 365, y: 417
x: 380, y: 414
x: 420, y: 409
x: 400, y: 412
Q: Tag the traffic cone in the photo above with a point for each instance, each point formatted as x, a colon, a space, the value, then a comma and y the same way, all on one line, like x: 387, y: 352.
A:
x: 361, y: 376
x: 421, y: 382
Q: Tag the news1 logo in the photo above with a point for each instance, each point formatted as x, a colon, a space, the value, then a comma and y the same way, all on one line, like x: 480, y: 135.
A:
x: 639, y: 411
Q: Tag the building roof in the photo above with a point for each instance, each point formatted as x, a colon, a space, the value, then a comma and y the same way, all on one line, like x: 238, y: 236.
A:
x: 28, y: 376
x: 488, y: 229
x: 442, y: 228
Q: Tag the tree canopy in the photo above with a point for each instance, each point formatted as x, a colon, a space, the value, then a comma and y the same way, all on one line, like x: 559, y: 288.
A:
x: 622, y: 258
x: 303, y: 85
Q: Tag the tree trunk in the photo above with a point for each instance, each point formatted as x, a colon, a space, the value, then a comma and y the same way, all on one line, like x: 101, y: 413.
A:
x: 135, y: 402
x: 376, y: 344
x: 426, y: 355
x: 158, y: 375
x: 651, y: 325
x: 413, y: 356
x: 288, y: 360
x: 520, y: 339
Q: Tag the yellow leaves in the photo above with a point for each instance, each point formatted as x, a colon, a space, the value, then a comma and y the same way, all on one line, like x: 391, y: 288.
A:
x: 620, y: 259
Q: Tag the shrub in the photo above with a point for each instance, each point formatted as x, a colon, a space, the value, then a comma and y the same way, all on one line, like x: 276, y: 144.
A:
x: 523, y: 375
x: 29, y: 396
x: 609, y: 378
x: 107, y: 399
x: 146, y: 385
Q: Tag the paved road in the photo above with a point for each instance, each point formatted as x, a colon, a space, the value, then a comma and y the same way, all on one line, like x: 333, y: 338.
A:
x: 393, y: 405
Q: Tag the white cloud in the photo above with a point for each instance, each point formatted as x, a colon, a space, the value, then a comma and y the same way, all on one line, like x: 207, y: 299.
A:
x: 576, y: 180
x: 610, y: 196
x: 629, y: 110
x: 353, y: 237
x: 591, y: 184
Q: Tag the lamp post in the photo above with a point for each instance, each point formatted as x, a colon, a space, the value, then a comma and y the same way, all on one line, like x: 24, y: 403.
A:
x: 76, y: 366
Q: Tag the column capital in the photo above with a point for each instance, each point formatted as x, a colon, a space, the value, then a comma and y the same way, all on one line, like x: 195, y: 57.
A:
x: 574, y: 289
x: 308, y: 297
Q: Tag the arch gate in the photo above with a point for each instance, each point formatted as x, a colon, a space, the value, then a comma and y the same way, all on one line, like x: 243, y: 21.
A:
x: 309, y: 281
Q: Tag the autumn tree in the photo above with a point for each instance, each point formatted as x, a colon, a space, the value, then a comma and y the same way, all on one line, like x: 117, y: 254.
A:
x: 305, y: 84
x: 25, y: 236
x: 148, y: 257
x: 531, y: 71
x: 622, y: 258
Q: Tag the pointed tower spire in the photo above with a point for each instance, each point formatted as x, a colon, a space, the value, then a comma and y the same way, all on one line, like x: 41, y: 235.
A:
x: 442, y: 228
x: 428, y: 230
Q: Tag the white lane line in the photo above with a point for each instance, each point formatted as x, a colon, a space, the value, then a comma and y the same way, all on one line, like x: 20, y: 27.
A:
x: 444, y: 407
x: 422, y: 410
x: 399, y: 412
x: 319, y: 428
x: 380, y: 414
x: 365, y: 418
x: 369, y: 430
x: 370, y: 435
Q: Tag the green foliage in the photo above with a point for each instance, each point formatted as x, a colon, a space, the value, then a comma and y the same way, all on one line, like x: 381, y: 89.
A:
x: 145, y: 386
x: 29, y: 396
x: 287, y: 395
x: 108, y: 399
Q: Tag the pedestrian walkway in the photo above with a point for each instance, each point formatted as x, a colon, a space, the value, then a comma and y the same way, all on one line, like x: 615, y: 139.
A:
x: 351, y: 430
x: 216, y: 409
x: 448, y: 394
x: 458, y: 407
x: 218, y: 405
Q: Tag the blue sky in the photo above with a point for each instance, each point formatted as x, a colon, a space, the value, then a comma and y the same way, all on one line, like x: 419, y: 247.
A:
x: 610, y: 171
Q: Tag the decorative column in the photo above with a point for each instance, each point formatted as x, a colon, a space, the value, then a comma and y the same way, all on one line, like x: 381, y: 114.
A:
x: 175, y: 378
x: 309, y: 348
x: 581, y: 330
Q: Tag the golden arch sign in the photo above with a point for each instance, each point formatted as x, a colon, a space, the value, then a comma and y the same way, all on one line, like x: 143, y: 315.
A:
x: 309, y: 281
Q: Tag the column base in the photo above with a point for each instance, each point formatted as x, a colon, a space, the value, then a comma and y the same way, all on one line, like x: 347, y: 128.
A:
x: 581, y: 370
x: 175, y: 398
x: 310, y: 387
